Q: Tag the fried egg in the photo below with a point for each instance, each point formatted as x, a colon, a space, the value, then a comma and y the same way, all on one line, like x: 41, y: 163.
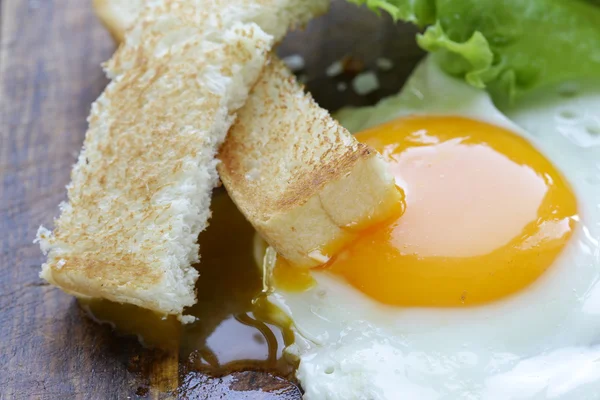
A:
x: 487, y: 286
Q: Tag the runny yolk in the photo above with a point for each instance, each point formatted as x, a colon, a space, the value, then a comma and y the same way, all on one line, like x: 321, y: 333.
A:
x: 486, y: 214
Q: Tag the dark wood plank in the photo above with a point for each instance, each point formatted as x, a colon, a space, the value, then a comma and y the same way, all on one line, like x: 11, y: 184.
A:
x: 49, y: 75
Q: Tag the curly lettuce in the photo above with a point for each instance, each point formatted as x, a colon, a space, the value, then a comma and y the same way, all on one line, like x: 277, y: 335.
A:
x: 506, y: 46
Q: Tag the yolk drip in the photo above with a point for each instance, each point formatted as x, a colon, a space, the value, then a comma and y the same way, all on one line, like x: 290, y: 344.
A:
x: 486, y: 214
x: 291, y: 278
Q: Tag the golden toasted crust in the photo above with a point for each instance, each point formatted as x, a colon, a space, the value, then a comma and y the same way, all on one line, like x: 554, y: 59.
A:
x: 279, y: 152
x: 140, y: 191
x: 301, y: 179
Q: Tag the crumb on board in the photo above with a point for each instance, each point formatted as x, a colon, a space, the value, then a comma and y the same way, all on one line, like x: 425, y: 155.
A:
x: 347, y: 65
x: 384, y: 64
x: 342, y: 86
x: 365, y: 83
x: 295, y: 62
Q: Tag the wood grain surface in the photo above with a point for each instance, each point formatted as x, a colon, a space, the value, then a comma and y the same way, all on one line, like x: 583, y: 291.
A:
x: 50, y: 55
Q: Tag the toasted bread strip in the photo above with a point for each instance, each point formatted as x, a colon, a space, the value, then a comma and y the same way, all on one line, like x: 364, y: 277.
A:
x: 141, y: 188
x: 300, y: 178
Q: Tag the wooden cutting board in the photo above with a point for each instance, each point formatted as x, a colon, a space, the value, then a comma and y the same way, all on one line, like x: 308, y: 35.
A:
x: 50, y: 73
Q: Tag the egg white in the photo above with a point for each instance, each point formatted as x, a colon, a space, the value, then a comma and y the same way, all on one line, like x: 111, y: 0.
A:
x: 543, y: 343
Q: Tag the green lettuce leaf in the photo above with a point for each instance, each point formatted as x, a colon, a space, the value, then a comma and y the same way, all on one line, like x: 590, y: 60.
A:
x: 419, y: 12
x: 506, y: 46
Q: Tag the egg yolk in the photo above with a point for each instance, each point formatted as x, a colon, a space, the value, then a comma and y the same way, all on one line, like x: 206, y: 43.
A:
x: 485, y: 215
